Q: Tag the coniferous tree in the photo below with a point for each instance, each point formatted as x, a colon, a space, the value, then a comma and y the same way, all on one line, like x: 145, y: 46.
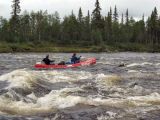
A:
x: 97, y: 37
x: 115, y: 25
x: 4, y: 30
x: 131, y: 21
x: 97, y: 17
x: 143, y: 17
x: 89, y: 17
x: 108, y: 28
x: 87, y: 29
x: 110, y: 13
x: 115, y: 15
x: 15, y: 22
x: 73, y: 28
x: 122, y: 30
x: 38, y: 27
x: 80, y: 16
x: 127, y: 30
x: 153, y: 27
x: 148, y: 41
x: 127, y: 18
x: 53, y: 28
x: 143, y: 30
x: 25, y: 27
x: 122, y: 20
x: 80, y: 24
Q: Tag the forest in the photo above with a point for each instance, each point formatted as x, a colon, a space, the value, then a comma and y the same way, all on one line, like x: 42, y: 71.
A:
x: 40, y: 31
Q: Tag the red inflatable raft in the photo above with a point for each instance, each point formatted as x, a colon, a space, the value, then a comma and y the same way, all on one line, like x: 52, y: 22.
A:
x: 82, y: 63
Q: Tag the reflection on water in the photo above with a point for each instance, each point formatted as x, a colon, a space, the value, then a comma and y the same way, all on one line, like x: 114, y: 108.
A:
x: 119, y: 86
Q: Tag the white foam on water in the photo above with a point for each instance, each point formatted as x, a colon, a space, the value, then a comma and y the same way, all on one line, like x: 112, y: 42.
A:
x: 117, y: 90
x: 32, y: 96
x: 147, y: 63
x: 70, y: 76
x: 58, y: 100
x: 107, y: 79
x: 152, y: 99
x: 102, y: 58
x: 142, y: 64
x: 157, y: 64
x: 109, y: 115
x: 67, y: 90
x: 115, y: 58
x: 105, y: 63
x: 136, y: 101
x: 24, y: 78
x: 138, y: 88
x: 132, y: 71
x: 108, y: 59
x: 50, y: 102
x: 19, y: 78
x: 133, y: 64
x: 19, y: 107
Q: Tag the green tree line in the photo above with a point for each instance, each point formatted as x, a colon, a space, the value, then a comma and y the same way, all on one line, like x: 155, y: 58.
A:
x: 91, y: 30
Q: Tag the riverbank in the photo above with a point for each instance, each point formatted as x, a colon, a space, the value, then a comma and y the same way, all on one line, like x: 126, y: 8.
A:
x: 119, y: 47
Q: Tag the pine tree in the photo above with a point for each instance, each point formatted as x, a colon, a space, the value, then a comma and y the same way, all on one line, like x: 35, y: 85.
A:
x: 80, y: 24
x: 155, y: 13
x: 110, y: 13
x: 143, y: 17
x: 122, y: 19
x: 154, y: 26
x: 127, y: 29
x: 80, y: 16
x: 143, y: 30
x: 115, y: 26
x: 97, y: 37
x: 127, y: 18
x: 97, y: 11
x: 72, y: 14
x: 87, y: 30
x: 122, y: 29
x: 108, y: 28
x: 88, y: 16
x: 15, y: 22
x: 97, y: 17
x: 115, y: 15
x: 73, y: 28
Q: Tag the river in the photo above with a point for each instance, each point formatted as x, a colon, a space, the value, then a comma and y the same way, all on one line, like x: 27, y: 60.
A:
x: 123, y: 86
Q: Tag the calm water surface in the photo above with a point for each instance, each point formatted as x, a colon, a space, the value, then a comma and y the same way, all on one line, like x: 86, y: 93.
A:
x: 123, y: 86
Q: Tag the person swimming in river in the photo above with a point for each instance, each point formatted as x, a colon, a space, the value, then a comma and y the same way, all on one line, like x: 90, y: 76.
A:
x: 75, y: 59
x: 47, y: 61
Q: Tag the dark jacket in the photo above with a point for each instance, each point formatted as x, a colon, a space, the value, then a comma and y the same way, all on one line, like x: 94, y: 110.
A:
x: 74, y: 59
x: 47, y: 61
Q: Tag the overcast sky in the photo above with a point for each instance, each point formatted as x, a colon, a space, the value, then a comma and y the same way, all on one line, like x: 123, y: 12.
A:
x: 64, y: 7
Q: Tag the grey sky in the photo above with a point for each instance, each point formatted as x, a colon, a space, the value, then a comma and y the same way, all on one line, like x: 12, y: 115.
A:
x: 64, y: 7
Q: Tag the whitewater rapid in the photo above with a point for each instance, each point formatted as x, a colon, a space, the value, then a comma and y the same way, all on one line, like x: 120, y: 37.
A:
x: 105, y: 90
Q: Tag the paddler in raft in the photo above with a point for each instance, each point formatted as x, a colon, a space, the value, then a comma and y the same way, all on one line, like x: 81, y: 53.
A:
x: 75, y: 59
x: 47, y: 61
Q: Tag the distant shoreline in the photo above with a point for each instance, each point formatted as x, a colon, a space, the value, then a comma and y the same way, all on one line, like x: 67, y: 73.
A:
x: 119, y: 47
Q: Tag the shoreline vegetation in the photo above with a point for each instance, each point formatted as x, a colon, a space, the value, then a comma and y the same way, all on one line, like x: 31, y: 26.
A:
x: 47, y: 47
x: 43, y: 32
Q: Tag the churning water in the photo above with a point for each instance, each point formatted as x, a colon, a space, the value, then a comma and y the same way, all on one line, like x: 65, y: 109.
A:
x: 123, y: 86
